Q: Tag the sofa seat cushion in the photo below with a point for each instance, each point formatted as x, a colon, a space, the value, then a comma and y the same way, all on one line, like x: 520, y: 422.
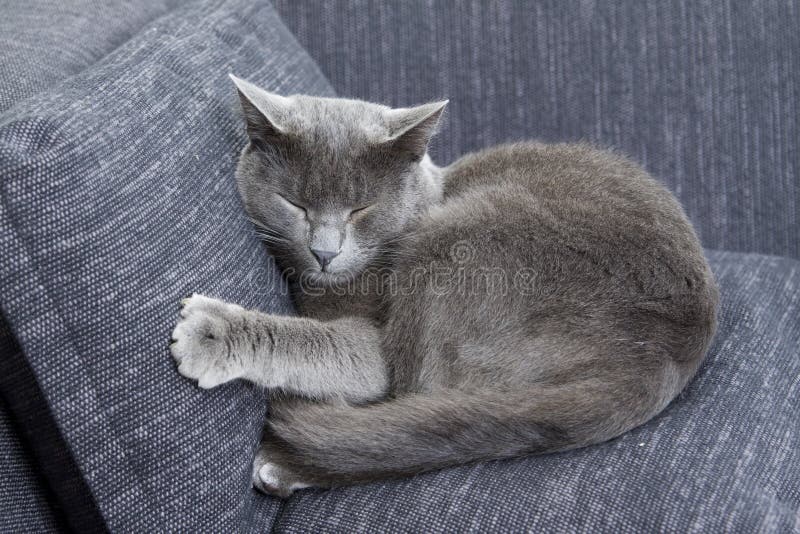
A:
x: 117, y: 200
x: 723, y: 457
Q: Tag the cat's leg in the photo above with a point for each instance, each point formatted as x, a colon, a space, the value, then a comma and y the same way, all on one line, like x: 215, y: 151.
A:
x: 215, y: 342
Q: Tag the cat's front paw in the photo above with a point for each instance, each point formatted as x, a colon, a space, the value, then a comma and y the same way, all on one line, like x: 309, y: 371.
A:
x: 200, y: 342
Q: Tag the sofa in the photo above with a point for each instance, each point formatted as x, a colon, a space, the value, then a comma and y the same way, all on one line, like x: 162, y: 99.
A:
x: 118, y: 139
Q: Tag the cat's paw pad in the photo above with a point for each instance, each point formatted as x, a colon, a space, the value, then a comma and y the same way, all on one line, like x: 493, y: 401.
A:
x: 270, y: 478
x: 199, y: 344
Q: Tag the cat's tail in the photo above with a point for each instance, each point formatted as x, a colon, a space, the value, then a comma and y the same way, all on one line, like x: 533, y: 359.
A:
x: 330, y: 445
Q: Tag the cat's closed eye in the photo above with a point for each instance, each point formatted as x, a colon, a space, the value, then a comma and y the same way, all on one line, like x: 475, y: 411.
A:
x: 357, y: 213
x: 293, y: 205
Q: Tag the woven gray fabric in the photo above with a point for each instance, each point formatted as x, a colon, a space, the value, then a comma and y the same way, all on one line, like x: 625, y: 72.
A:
x: 43, y: 41
x: 53, y: 477
x: 704, y: 93
x: 23, y: 503
x: 724, y: 457
x: 118, y: 199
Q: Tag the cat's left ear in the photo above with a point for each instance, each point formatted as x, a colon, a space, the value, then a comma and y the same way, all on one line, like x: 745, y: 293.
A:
x: 265, y: 113
x: 411, y: 129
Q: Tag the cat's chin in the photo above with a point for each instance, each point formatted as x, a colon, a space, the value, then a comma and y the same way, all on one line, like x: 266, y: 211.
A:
x: 316, y: 279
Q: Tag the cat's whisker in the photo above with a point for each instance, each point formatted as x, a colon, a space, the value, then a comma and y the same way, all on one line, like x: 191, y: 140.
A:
x: 268, y: 235
x: 259, y: 226
x: 271, y: 238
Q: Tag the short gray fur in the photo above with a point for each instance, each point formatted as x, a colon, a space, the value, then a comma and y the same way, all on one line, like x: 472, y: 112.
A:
x: 597, y: 309
x: 723, y: 457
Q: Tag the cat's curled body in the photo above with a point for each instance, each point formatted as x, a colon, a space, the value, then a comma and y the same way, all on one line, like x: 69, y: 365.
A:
x: 526, y: 299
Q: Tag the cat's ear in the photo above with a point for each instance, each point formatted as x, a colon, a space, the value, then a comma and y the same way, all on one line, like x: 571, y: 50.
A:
x: 264, y: 112
x: 411, y: 129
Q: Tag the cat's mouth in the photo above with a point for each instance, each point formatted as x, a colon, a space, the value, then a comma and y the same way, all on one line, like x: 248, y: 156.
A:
x: 327, y: 278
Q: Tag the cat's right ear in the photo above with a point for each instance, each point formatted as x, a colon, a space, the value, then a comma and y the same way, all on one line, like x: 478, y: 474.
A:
x: 410, y: 129
x: 264, y: 113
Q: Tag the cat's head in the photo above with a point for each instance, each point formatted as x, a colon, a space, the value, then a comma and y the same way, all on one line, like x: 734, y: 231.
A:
x: 330, y: 181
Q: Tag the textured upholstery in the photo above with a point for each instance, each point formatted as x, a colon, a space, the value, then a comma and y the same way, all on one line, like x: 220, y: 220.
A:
x: 23, y: 500
x: 43, y: 41
x: 706, y: 94
x: 118, y: 200
x: 42, y: 470
x: 724, y: 457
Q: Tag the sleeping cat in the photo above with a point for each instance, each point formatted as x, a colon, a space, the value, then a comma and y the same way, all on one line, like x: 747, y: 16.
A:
x: 526, y: 299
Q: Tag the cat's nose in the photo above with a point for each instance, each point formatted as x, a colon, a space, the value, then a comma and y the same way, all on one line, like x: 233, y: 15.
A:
x: 324, y: 257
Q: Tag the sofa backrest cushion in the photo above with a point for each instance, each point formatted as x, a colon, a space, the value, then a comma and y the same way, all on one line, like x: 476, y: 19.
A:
x: 704, y: 94
x: 45, y: 41
x: 118, y: 199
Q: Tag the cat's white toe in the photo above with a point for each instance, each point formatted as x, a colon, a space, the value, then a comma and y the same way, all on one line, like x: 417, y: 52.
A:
x: 199, y: 302
x: 198, y: 343
x: 268, y: 474
x: 213, y: 378
x: 274, y: 480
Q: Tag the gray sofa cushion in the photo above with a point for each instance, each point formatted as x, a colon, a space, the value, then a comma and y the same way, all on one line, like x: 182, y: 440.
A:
x: 45, y: 41
x: 44, y: 489
x: 703, y: 93
x: 24, y: 501
x: 118, y: 199
x: 724, y: 457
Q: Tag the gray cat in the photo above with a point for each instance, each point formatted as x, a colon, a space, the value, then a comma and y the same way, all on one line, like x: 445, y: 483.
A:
x: 526, y: 299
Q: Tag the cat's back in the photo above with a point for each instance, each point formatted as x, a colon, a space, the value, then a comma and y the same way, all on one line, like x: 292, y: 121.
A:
x: 560, y: 172
x: 588, y: 222
x: 554, y: 245
x: 594, y: 199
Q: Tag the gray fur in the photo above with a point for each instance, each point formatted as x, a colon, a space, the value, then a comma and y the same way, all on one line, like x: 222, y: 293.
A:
x: 526, y: 299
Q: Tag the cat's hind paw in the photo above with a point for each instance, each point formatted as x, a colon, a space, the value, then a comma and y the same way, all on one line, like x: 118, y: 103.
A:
x: 200, y: 343
x: 274, y: 480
